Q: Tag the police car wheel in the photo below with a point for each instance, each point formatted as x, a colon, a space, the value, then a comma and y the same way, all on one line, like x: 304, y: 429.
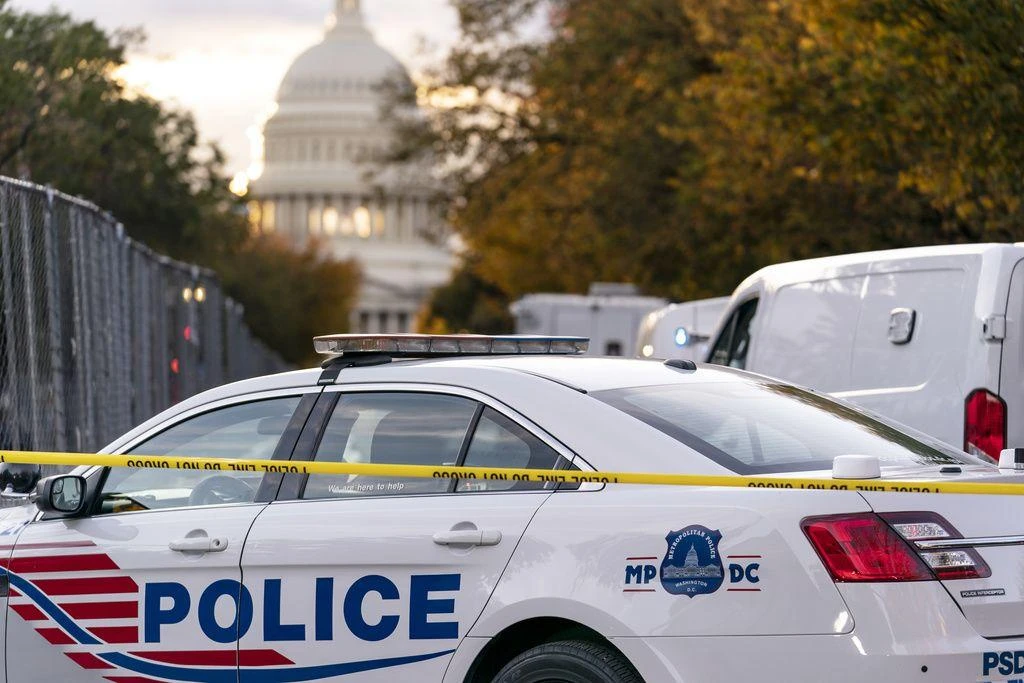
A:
x: 568, y: 661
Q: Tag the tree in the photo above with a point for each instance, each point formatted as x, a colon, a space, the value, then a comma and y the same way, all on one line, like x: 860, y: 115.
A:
x: 557, y: 160
x: 67, y: 121
x: 291, y: 296
x: 835, y: 126
x: 49, y: 64
x: 466, y: 304
x: 682, y: 144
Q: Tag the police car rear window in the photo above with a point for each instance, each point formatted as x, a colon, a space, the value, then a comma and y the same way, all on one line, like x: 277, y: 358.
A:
x: 754, y: 427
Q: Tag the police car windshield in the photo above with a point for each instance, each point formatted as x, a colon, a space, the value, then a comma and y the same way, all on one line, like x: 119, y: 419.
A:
x: 761, y: 427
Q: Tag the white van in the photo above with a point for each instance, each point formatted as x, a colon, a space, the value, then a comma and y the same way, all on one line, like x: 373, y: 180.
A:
x: 930, y: 337
x: 680, y: 330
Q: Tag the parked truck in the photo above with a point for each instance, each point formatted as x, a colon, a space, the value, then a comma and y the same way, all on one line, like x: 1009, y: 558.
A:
x: 609, y: 314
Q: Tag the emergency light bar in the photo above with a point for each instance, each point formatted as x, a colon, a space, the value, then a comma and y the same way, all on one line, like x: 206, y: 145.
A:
x: 421, y: 345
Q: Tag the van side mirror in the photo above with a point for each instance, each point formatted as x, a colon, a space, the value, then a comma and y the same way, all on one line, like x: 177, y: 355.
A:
x: 63, y: 494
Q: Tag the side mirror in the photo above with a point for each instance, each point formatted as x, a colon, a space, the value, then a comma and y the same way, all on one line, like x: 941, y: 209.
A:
x: 63, y: 494
x: 18, y: 481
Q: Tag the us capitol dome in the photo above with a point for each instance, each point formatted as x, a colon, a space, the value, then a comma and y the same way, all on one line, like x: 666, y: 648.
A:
x: 320, y: 179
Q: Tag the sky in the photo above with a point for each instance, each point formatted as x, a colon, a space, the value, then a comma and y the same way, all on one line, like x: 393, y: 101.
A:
x: 224, y: 59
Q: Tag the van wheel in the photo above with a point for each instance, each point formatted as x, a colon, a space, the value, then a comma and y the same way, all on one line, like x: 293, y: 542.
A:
x: 568, y: 661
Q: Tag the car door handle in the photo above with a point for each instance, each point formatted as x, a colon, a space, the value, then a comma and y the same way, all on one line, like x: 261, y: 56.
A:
x: 468, y: 537
x: 199, y: 544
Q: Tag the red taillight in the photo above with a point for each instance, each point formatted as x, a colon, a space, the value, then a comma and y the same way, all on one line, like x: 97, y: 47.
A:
x: 984, y: 424
x: 862, y: 547
x: 892, y: 547
x: 946, y: 562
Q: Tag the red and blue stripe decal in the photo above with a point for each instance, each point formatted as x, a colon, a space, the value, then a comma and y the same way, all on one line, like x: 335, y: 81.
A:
x: 58, y: 622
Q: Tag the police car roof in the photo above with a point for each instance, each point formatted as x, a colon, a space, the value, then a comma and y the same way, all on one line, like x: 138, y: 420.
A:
x: 585, y: 373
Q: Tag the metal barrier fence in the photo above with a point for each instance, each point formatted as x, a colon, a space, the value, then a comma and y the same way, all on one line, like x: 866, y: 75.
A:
x: 97, y: 332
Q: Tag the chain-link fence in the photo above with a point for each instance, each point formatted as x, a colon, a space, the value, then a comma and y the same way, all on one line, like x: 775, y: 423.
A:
x: 97, y: 332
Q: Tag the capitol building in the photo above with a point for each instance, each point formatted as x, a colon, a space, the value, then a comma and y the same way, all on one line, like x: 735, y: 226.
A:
x: 322, y: 179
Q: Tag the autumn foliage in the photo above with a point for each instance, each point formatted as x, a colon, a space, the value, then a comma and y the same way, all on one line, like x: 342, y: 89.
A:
x: 681, y: 144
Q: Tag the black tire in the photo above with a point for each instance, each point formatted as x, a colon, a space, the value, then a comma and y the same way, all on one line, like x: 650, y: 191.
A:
x: 568, y: 661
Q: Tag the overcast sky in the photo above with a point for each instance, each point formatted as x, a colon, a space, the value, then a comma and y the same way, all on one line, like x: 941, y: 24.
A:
x: 223, y: 59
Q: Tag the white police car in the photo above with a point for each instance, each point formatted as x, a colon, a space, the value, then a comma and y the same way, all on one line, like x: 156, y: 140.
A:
x: 210, y: 577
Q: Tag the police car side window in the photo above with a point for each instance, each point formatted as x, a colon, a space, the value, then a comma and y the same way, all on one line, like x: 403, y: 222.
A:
x: 500, y: 442
x: 248, y: 430
x: 391, y: 428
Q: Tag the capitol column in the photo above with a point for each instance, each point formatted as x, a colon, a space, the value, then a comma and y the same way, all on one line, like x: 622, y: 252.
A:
x: 376, y: 208
x: 316, y: 221
x: 391, y: 226
x: 415, y: 217
x: 285, y: 219
x: 407, y: 217
x: 302, y: 206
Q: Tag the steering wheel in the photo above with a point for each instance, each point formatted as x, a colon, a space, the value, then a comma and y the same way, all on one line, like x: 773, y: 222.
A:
x: 219, y: 489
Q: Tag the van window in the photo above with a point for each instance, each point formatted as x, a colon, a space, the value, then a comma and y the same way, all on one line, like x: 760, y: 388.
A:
x: 758, y: 427
x: 733, y: 343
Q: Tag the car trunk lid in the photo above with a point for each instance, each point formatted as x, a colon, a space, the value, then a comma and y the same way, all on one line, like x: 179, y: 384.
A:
x: 990, y: 526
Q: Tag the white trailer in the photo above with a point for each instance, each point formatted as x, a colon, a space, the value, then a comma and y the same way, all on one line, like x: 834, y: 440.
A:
x: 609, y: 314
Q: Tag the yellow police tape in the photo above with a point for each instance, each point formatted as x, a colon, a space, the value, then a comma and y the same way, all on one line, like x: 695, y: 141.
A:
x: 505, y: 474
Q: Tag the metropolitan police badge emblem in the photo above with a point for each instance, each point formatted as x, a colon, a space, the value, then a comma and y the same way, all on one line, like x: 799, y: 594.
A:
x: 692, y: 565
